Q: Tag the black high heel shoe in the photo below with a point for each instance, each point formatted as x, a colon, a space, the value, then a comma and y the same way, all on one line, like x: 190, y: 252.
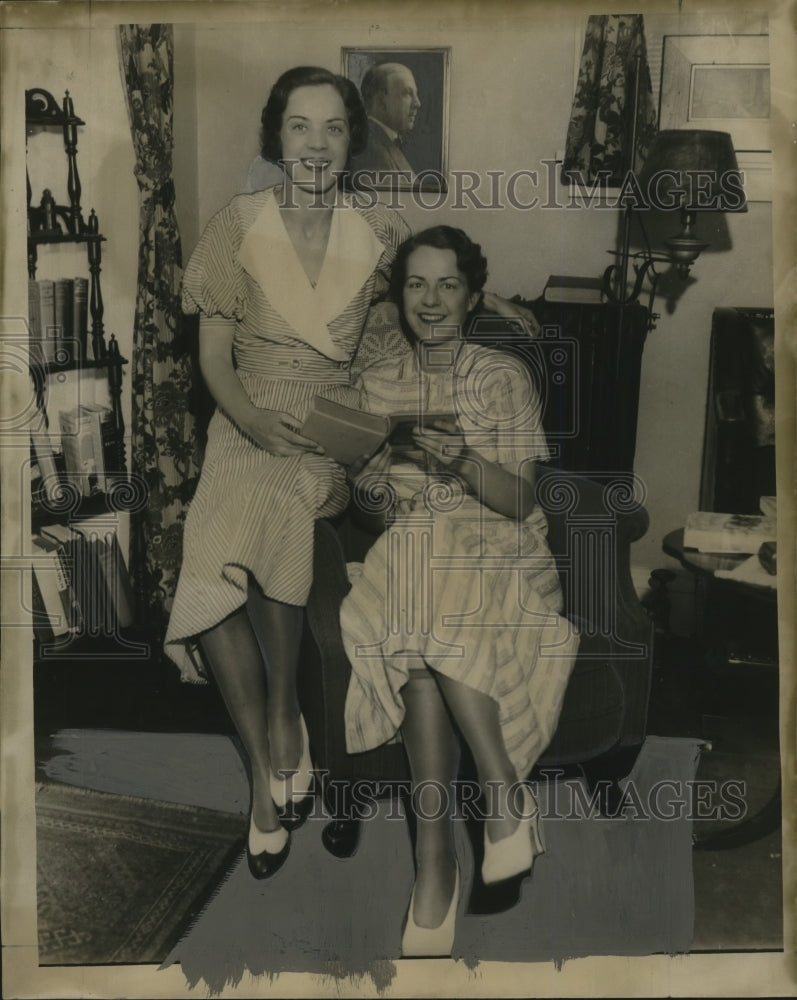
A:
x: 275, y: 845
x: 296, y: 812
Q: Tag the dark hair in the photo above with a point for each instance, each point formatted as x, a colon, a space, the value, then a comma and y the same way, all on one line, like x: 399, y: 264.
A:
x: 470, y: 261
x: 310, y: 76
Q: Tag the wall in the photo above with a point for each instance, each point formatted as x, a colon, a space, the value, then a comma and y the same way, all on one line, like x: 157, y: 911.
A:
x: 85, y: 63
x: 522, y: 68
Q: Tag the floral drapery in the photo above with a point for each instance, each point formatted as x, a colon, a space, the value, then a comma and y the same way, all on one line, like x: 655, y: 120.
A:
x: 164, y: 447
x: 599, y: 132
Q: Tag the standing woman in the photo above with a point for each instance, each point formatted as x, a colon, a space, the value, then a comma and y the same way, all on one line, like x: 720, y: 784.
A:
x: 282, y: 280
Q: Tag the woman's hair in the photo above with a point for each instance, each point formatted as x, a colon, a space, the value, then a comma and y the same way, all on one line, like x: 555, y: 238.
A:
x: 470, y: 261
x: 310, y: 76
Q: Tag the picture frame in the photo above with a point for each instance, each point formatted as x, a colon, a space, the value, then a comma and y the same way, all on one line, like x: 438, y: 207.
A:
x: 422, y: 160
x: 722, y: 83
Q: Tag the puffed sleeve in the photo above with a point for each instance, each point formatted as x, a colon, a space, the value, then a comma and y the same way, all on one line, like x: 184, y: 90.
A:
x: 213, y: 281
x: 392, y: 230
x: 499, y: 409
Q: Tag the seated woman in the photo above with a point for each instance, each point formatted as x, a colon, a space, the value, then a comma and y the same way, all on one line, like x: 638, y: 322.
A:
x: 452, y: 626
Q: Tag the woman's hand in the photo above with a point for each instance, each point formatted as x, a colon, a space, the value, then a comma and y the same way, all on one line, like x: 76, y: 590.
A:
x: 277, y: 433
x: 511, y: 310
x: 442, y: 440
x: 377, y: 465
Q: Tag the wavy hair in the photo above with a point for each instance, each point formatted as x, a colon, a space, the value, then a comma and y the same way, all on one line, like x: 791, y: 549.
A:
x: 310, y: 76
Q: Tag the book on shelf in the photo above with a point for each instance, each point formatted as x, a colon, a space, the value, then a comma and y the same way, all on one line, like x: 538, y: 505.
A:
x: 58, y: 316
x: 347, y: 434
x: 47, y: 331
x: 81, y: 439
x: 45, y: 459
x: 109, y: 593
x: 98, y: 574
x: 64, y: 318
x: 708, y: 531
x: 570, y: 288
x: 80, y: 314
x: 35, y: 322
x: 47, y: 625
x: 53, y: 568
x: 104, y: 433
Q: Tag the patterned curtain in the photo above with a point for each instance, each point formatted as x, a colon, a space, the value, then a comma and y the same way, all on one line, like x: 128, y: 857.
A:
x: 164, y: 447
x: 599, y: 132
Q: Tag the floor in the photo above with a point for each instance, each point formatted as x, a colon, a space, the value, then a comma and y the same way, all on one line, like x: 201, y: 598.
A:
x: 737, y: 891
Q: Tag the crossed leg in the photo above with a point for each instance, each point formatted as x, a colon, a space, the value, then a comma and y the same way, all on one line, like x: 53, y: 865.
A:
x: 254, y: 661
x: 433, y: 705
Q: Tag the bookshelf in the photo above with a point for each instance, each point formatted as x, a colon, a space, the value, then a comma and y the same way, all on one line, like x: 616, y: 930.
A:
x: 82, y: 594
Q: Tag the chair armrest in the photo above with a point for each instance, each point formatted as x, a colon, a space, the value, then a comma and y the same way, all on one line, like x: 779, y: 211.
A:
x: 325, y: 668
x: 591, y: 527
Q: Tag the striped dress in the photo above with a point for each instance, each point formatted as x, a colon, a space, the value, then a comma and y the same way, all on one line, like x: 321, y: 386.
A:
x: 253, y: 512
x: 474, y: 593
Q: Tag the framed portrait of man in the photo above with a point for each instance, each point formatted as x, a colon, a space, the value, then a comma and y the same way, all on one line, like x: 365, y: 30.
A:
x: 405, y: 93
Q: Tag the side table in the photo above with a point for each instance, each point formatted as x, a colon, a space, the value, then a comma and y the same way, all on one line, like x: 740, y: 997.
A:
x: 704, y: 565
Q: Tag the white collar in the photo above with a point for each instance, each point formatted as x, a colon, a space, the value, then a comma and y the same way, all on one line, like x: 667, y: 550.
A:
x: 352, y: 253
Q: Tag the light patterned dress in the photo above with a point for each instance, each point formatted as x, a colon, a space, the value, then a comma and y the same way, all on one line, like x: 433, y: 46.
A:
x: 253, y: 512
x: 474, y: 593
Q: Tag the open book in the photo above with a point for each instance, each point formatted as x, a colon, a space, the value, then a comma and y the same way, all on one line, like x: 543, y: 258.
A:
x: 347, y: 434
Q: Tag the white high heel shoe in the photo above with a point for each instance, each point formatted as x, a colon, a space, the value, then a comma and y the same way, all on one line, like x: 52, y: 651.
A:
x: 431, y: 942
x: 266, y: 852
x: 515, y: 854
x: 298, y: 783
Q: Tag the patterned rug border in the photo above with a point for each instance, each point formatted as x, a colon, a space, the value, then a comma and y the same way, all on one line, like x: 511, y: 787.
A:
x: 165, y: 827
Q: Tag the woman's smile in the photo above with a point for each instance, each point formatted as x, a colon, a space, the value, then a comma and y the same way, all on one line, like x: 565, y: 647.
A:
x: 315, y: 137
x: 436, y: 294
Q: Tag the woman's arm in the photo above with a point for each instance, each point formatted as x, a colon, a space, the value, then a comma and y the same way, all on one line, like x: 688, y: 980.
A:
x: 271, y: 429
x: 502, y: 490
x: 508, y: 492
x: 511, y: 310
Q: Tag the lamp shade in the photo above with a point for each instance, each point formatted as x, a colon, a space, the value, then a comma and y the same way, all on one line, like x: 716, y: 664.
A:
x: 693, y: 169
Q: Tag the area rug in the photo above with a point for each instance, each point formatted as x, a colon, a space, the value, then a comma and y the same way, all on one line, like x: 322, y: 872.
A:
x: 620, y: 886
x: 604, y: 887
x: 120, y: 878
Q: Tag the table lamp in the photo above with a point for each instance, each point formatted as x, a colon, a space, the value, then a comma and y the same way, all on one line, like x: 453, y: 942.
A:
x: 689, y: 171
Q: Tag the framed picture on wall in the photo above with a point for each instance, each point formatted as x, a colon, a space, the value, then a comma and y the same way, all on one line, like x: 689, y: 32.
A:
x: 722, y: 83
x: 406, y: 95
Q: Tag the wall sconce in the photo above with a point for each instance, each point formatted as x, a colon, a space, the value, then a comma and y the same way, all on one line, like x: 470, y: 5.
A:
x: 688, y: 171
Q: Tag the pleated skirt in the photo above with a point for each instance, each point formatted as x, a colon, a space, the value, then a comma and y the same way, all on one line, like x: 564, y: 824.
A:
x: 253, y: 514
x: 477, y: 596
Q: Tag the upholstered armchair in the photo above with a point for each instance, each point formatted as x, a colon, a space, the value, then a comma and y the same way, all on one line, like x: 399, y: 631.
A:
x: 602, y: 725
